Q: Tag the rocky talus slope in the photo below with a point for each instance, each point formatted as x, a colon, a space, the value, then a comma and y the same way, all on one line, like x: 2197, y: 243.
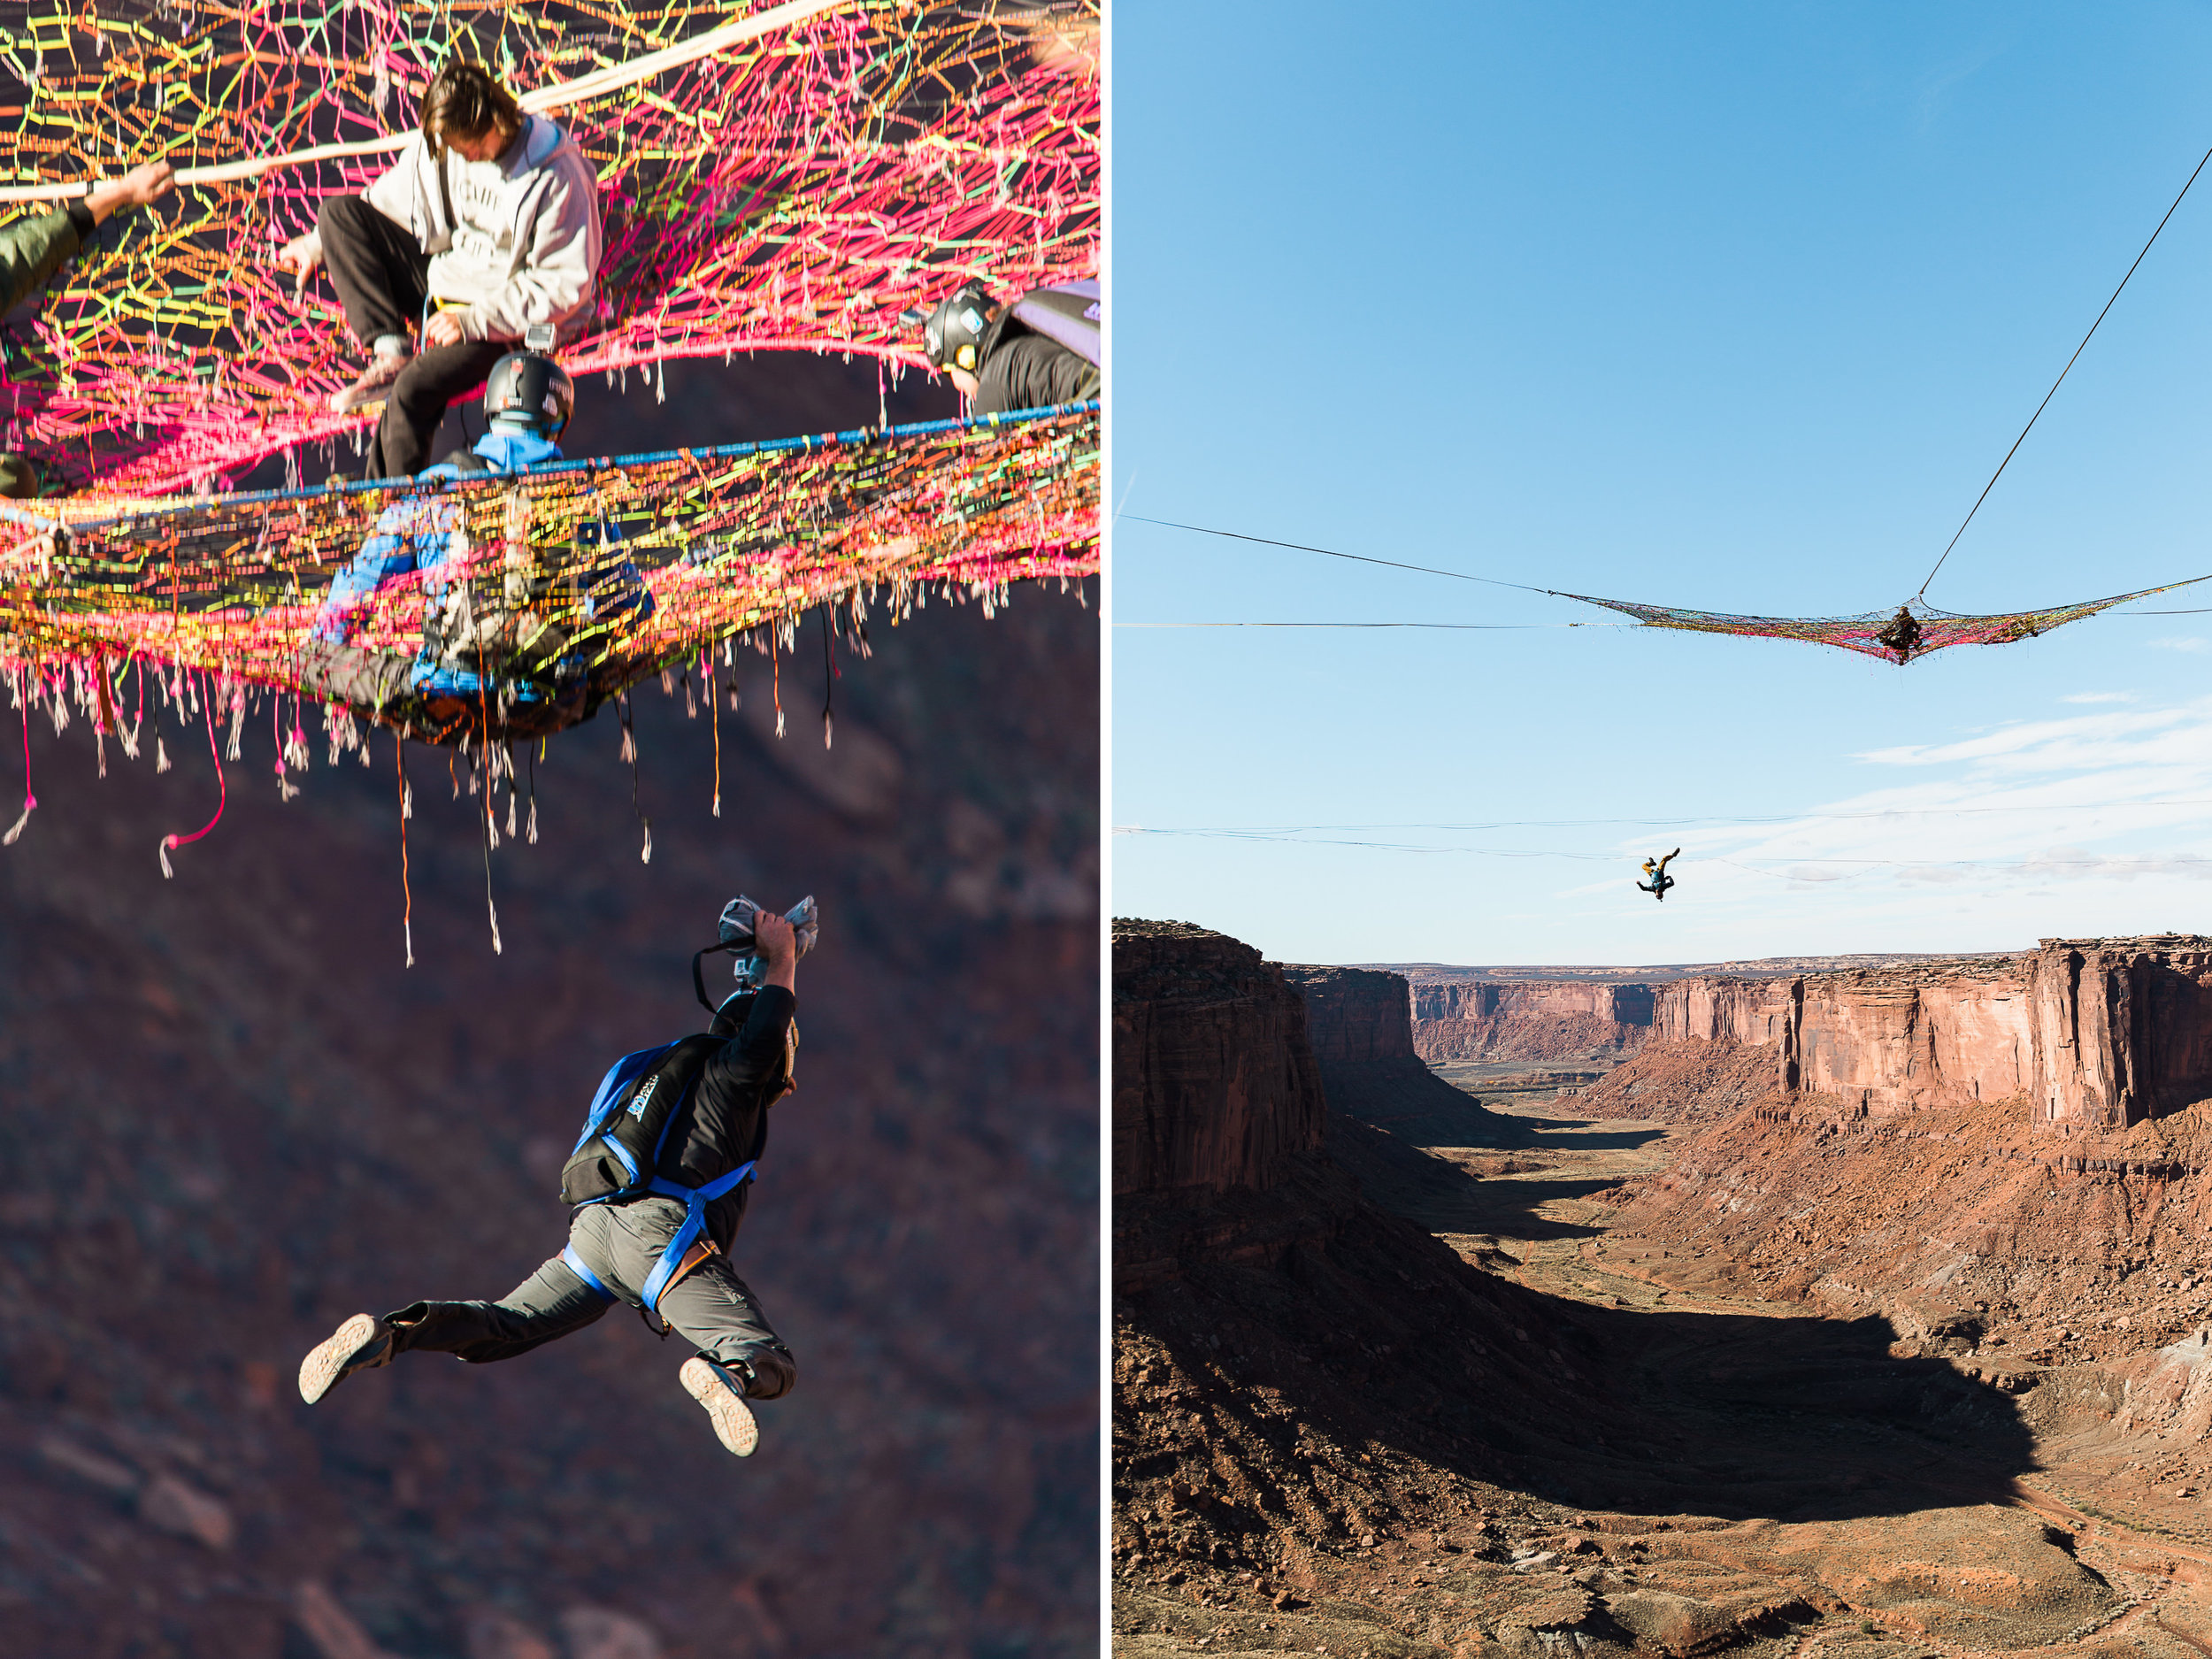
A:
x: 238, y: 1118
x: 1336, y: 1432
x: 2072, y: 1272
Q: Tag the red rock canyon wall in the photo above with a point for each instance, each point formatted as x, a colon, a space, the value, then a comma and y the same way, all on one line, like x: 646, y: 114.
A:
x: 1214, y: 1082
x: 2097, y: 1031
x: 1355, y: 1016
x: 1530, y: 1020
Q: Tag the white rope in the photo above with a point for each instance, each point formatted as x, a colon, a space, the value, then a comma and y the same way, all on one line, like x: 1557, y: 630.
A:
x: 597, y: 84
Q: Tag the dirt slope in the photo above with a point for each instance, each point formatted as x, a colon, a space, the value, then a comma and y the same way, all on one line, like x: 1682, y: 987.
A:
x: 1370, y: 1445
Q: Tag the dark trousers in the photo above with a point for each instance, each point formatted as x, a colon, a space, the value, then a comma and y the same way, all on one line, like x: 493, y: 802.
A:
x: 382, y: 276
x: 710, y: 1307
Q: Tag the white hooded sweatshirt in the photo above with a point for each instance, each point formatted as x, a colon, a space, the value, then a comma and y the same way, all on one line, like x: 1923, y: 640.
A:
x: 516, y: 241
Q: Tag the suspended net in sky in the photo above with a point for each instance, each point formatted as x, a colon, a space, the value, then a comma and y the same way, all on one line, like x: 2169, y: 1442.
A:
x: 499, y: 607
x: 1901, y: 636
x: 797, y: 190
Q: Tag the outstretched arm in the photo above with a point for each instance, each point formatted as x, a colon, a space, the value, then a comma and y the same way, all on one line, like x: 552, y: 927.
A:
x: 778, y: 943
x: 136, y: 188
x: 33, y: 249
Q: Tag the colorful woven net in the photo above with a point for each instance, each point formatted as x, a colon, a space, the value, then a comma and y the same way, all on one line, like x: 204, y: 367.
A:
x: 534, y: 598
x: 1901, y: 636
x: 798, y: 190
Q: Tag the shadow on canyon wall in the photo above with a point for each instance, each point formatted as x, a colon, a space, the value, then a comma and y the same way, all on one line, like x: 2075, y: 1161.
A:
x: 1391, y: 1345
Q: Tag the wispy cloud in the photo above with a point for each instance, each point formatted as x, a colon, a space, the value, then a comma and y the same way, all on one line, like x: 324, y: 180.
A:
x: 2170, y: 643
x: 2036, y: 744
x: 2100, y: 697
x: 2117, y: 796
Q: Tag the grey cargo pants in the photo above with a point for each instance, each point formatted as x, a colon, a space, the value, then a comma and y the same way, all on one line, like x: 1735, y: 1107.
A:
x: 710, y: 1307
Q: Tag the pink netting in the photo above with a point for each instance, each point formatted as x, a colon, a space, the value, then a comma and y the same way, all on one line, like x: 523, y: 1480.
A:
x: 797, y: 191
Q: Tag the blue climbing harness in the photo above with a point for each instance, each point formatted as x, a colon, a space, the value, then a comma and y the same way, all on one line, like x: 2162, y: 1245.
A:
x: 618, y: 1155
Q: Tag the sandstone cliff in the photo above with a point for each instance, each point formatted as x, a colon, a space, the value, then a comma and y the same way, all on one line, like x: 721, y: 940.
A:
x: 1214, y: 1081
x: 1355, y: 1016
x: 1528, y: 1019
x: 2095, y: 1031
x: 1373, y: 1071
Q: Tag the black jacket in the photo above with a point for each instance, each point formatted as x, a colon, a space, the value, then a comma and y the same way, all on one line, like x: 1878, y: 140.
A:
x: 1024, y: 370
x: 724, y: 1122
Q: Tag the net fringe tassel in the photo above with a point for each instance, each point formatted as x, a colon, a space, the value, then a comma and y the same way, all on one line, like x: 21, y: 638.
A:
x: 170, y: 842
x: 406, y: 811
x: 491, y: 787
x: 285, y: 788
x: 629, y: 749
x: 30, y: 801
x: 829, y: 682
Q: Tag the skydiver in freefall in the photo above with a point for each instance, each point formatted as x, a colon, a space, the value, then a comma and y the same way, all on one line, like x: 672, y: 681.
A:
x: 657, y: 1185
x: 33, y: 250
x: 1660, y: 879
x: 1042, y: 350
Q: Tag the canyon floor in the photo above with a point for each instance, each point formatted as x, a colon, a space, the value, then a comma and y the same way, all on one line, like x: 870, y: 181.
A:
x: 1603, y: 1384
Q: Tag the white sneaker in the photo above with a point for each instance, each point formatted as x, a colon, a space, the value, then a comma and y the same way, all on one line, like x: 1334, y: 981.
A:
x: 360, y: 1343
x: 723, y: 1395
x: 374, y: 382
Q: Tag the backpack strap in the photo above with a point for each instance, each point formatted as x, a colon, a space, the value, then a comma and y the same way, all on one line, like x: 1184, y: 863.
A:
x: 696, y: 1199
x: 441, y: 241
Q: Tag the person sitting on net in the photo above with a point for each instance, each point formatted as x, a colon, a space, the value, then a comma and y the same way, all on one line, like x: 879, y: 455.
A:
x: 658, y: 1182
x: 1040, y: 351
x: 488, y: 223
x: 1660, y: 879
x: 34, y: 250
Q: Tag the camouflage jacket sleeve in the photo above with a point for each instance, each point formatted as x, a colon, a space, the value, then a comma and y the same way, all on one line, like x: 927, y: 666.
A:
x: 33, y: 248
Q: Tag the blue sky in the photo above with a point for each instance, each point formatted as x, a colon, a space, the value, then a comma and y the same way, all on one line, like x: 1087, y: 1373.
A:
x: 1726, y: 306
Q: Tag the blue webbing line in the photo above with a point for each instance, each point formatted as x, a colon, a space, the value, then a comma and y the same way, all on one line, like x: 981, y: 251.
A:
x: 575, y: 1265
x: 417, y: 486
x: 695, y: 1202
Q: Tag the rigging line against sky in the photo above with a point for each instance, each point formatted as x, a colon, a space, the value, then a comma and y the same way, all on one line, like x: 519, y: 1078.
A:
x: 1472, y: 627
x: 1357, y: 559
x: 1493, y: 581
x: 1665, y: 823
x: 2030, y: 862
x: 1523, y: 627
x: 2063, y: 373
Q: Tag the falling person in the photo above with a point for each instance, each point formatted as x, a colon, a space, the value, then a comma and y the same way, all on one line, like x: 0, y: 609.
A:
x: 658, y: 1184
x: 1660, y: 879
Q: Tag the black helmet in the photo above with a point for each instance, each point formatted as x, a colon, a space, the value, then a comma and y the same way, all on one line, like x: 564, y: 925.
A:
x: 956, y: 327
x: 530, y: 390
